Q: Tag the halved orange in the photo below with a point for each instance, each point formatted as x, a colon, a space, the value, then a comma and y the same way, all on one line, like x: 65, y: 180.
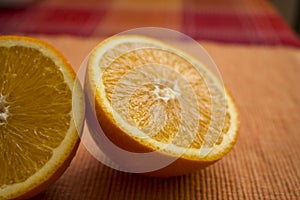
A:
x: 41, y: 109
x: 150, y: 96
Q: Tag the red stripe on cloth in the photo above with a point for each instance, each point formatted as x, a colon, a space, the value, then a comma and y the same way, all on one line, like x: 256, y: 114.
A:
x: 249, y: 28
x: 51, y: 20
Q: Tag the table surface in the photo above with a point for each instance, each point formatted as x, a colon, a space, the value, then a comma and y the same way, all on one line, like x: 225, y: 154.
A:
x: 264, y: 163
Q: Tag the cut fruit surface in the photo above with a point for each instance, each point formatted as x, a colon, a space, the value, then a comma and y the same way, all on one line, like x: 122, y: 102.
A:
x: 150, y: 96
x: 38, y: 128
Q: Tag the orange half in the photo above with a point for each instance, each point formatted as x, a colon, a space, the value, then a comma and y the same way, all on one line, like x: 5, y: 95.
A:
x: 41, y: 108
x: 150, y: 96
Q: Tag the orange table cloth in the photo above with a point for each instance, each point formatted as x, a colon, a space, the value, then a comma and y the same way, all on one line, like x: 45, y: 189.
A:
x: 264, y: 163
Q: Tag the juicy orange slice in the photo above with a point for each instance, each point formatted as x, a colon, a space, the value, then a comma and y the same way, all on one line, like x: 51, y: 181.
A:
x: 150, y: 96
x: 38, y: 125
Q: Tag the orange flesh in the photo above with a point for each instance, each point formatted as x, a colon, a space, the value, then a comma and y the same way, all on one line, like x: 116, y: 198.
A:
x: 155, y: 107
x: 30, y: 106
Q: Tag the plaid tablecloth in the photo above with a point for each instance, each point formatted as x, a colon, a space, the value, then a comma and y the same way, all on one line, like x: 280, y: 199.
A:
x: 234, y: 21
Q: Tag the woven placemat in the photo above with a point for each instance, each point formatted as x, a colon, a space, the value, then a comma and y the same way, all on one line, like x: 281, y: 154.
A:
x: 265, y: 162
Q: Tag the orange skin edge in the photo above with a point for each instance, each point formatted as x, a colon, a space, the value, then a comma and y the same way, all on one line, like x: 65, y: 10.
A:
x: 54, y: 177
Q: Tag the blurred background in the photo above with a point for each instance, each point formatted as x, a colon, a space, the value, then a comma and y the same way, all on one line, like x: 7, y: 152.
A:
x: 265, y: 22
x: 290, y: 11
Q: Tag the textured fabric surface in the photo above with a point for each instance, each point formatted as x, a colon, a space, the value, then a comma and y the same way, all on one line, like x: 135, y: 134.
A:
x: 264, y: 163
x: 238, y: 21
